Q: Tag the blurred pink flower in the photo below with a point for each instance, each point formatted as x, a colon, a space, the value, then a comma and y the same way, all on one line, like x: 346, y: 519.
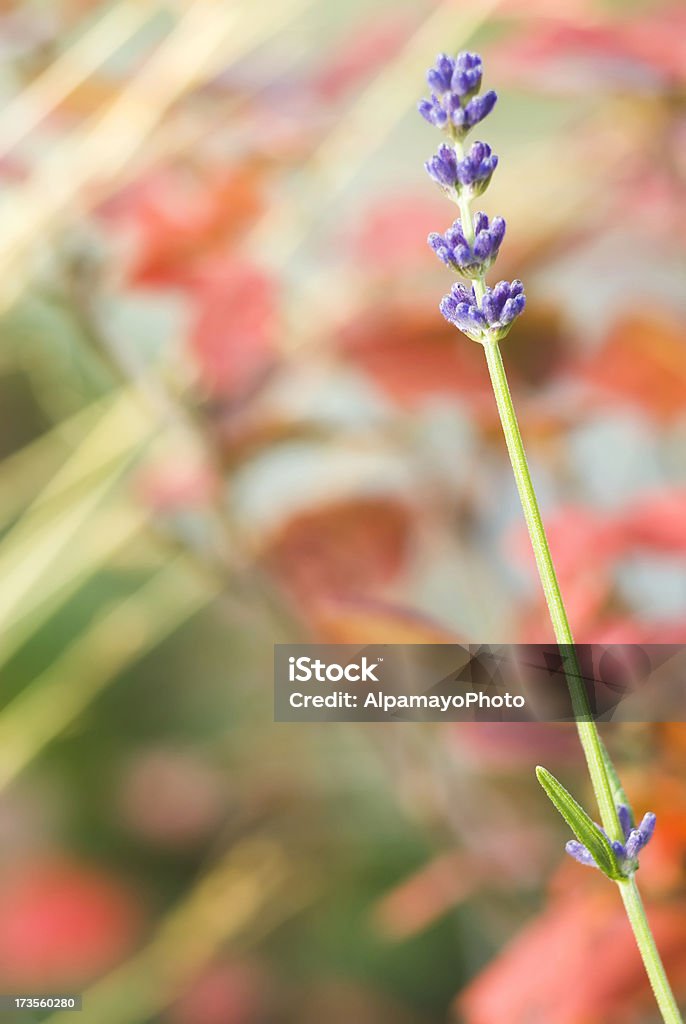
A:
x: 170, y: 797
x: 63, y: 923
x: 234, y: 327
x: 225, y: 993
x: 391, y: 235
x: 646, y: 51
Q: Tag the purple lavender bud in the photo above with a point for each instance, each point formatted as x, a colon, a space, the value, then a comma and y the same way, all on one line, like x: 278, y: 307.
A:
x: 440, y: 247
x: 502, y: 305
x: 476, y: 317
x: 647, y: 827
x: 455, y: 235
x: 625, y: 820
x: 579, y: 852
x: 634, y: 844
x: 481, y: 221
x: 476, y: 168
x: 466, y: 78
x: 463, y: 312
x: 462, y: 293
x: 499, y: 296
x: 443, y: 167
x: 498, y: 232
x: 490, y: 307
x: 456, y: 113
x: 460, y: 308
x: 462, y: 255
x: 479, y: 107
x: 516, y: 288
x: 440, y: 75
x: 482, y: 246
x: 470, y: 260
x: 432, y: 111
x: 619, y: 850
x: 512, y: 308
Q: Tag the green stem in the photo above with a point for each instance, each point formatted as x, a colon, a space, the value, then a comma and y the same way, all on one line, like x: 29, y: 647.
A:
x: 633, y: 904
x: 596, y: 756
x: 588, y: 732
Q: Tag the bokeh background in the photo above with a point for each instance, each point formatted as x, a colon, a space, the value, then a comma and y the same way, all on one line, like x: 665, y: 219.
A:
x: 230, y: 414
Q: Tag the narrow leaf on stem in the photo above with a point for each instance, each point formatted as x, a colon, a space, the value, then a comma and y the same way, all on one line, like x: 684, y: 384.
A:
x: 583, y: 827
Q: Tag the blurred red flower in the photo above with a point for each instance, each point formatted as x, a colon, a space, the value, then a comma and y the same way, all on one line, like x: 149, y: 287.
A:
x: 234, y: 327
x: 410, y: 354
x: 63, y: 923
x: 177, y: 217
x: 348, y: 547
x: 576, y: 963
x: 658, y: 521
x: 642, y: 362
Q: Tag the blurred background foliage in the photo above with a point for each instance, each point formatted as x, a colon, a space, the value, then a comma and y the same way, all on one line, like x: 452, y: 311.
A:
x: 231, y: 414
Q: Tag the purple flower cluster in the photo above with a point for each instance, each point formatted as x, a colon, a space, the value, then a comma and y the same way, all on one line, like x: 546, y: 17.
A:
x: 626, y: 852
x: 471, y: 245
x: 454, y: 82
x: 473, y: 171
x: 474, y: 259
x: 498, y: 308
x: 461, y: 74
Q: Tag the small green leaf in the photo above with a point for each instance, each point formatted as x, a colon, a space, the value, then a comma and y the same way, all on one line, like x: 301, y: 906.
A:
x: 585, y: 830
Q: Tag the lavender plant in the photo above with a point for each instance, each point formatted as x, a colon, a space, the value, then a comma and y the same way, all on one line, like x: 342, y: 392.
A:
x: 469, y: 248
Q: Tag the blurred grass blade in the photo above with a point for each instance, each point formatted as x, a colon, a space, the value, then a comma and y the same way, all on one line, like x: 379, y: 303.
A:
x: 101, y: 538
x: 24, y: 562
x: 72, y: 67
x: 113, y: 433
x: 30, y: 547
x: 585, y: 830
x: 116, y: 639
x: 96, y: 156
x: 23, y: 474
x: 250, y: 891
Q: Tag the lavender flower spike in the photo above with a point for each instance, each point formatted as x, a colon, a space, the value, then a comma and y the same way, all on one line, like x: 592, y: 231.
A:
x: 454, y: 104
x: 625, y: 853
x: 492, y: 317
x: 470, y: 175
x: 443, y: 167
x: 471, y: 259
x: 471, y: 245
